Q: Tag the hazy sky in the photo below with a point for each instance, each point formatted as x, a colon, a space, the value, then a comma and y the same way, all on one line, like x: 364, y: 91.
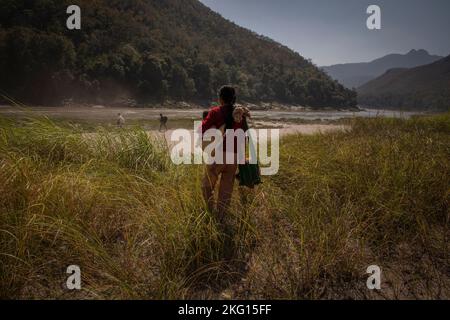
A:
x: 334, y: 31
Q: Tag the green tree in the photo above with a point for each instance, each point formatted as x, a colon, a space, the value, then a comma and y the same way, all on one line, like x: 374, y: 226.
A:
x: 202, y: 78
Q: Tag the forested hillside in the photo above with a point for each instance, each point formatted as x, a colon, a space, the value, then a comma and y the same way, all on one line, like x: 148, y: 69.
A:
x: 421, y: 88
x: 148, y: 50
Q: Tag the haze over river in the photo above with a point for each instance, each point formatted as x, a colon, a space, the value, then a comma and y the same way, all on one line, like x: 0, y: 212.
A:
x: 102, y: 114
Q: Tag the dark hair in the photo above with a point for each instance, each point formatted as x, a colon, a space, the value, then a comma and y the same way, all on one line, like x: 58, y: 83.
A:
x: 228, y: 95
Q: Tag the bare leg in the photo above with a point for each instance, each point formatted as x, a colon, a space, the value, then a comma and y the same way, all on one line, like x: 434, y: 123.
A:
x: 208, y: 186
x: 226, y: 189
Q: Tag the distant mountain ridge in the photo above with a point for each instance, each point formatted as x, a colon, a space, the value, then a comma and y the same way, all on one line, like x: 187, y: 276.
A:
x: 353, y: 75
x: 420, y: 88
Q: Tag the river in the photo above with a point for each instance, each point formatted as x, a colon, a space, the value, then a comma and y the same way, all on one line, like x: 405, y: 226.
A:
x: 103, y: 114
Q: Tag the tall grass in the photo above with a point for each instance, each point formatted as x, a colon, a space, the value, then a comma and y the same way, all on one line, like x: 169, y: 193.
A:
x: 113, y: 203
x: 377, y: 194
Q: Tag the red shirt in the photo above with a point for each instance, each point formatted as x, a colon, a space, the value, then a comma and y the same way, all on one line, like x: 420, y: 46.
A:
x: 216, y: 119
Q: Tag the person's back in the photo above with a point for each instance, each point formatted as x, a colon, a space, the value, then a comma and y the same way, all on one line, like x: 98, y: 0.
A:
x: 163, y: 122
x: 218, y: 117
x: 120, y: 120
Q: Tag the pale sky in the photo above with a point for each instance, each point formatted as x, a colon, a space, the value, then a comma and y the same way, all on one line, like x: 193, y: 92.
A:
x: 334, y: 31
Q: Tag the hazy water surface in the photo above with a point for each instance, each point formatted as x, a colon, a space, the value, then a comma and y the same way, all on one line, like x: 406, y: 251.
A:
x: 105, y: 114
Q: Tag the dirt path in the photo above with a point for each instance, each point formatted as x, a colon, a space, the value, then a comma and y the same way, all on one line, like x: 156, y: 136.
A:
x: 308, y: 129
x: 285, y: 129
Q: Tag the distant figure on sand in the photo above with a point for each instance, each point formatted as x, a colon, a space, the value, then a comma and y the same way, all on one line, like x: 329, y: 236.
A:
x: 163, y: 122
x: 120, y: 120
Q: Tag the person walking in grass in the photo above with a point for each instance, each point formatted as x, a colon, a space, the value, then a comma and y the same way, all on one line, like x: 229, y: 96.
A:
x: 120, y: 120
x: 221, y: 117
x: 163, y: 122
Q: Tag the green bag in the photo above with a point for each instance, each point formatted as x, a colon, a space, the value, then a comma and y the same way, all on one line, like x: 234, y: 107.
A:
x: 249, y: 175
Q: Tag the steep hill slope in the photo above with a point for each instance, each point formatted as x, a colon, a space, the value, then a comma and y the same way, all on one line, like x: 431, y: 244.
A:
x: 150, y: 50
x: 425, y: 87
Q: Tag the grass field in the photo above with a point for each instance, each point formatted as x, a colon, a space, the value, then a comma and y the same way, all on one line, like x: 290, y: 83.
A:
x: 136, y: 224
